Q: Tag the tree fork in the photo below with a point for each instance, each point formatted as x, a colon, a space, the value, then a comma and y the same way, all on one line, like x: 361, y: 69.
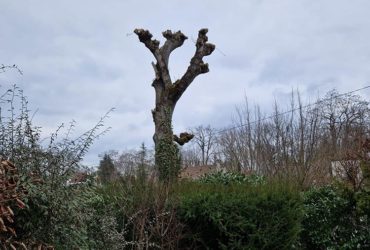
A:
x: 168, y: 92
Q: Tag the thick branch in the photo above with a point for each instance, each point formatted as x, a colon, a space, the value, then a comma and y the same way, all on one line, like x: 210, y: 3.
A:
x: 184, y: 138
x: 196, y: 67
x: 174, y: 40
x: 161, y: 67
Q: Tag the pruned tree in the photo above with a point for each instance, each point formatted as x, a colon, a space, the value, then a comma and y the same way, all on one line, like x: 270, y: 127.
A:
x: 167, y: 158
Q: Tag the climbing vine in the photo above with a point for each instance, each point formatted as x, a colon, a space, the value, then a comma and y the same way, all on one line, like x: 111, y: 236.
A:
x: 167, y: 154
x: 168, y: 159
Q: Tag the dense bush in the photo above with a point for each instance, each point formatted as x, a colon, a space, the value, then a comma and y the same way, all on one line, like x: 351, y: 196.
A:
x: 333, y: 219
x: 53, y: 210
x: 232, y: 178
x: 56, y: 217
x: 132, y: 213
x: 363, y: 196
x: 240, y: 216
x: 11, y: 195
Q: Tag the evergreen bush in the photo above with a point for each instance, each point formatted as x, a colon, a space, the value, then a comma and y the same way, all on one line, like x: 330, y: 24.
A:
x: 226, y: 178
x: 240, y: 216
x: 335, y: 218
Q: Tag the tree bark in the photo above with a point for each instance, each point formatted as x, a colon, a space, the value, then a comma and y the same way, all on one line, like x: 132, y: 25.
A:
x: 168, y: 93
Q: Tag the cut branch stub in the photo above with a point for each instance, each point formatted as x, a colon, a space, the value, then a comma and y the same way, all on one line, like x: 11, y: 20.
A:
x: 204, y: 48
x: 184, y: 138
x: 146, y: 37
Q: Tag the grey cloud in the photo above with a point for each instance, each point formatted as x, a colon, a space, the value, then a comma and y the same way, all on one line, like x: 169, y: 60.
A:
x: 80, y: 58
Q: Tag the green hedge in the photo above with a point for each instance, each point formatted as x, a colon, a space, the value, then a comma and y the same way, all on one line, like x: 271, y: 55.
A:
x: 335, y: 218
x: 240, y: 216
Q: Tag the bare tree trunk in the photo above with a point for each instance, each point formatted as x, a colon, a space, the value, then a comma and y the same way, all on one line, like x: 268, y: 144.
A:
x: 205, y: 140
x: 167, y: 157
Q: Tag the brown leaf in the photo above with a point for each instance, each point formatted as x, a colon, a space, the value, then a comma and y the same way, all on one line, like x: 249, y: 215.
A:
x: 9, y: 218
x: 23, y: 245
x: 10, y: 211
x: 2, y: 225
x: 20, y: 203
x: 12, y: 231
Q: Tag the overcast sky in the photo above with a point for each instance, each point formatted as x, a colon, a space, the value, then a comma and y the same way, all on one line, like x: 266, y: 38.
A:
x: 81, y: 58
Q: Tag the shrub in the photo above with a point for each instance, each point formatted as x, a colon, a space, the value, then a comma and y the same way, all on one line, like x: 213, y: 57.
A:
x: 52, y: 214
x: 332, y: 220
x: 133, y: 214
x: 56, y: 216
x: 226, y: 178
x: 240, y: 216
x: 10, y: 194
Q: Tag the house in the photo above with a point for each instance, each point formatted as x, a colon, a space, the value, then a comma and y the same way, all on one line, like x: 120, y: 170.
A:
x: 348, y: 170
x: 78, y: 178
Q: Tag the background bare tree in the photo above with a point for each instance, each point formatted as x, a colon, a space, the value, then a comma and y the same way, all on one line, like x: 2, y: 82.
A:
x: 190, y: 156
x: 345, y: 119
x: 300, y: 144
x: 205, y: 142
x: 132, y: 162
x: 168, y: 93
